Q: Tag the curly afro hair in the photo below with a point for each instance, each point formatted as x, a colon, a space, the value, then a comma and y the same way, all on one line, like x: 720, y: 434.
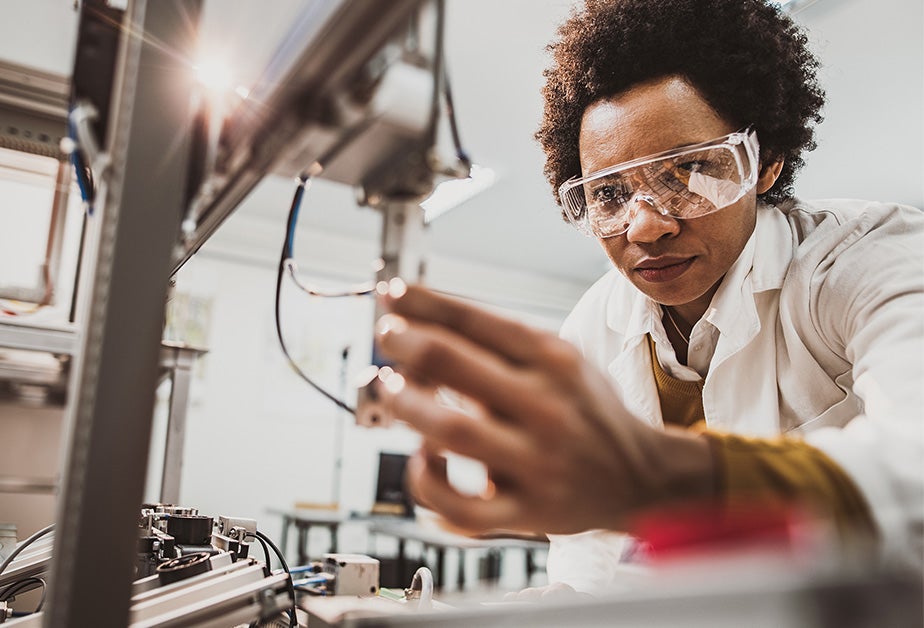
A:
x: 746, y: 58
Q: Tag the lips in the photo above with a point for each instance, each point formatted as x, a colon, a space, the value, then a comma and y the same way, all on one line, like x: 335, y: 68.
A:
x: 661, y: 269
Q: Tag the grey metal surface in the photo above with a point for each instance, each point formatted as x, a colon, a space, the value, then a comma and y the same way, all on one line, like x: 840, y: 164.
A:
x: 262, y: 597
x: 51, y: 338
x: 787, y: 599
x: 123, y: 312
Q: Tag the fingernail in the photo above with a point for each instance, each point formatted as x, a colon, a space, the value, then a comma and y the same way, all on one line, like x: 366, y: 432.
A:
x: 365, y: 376
x: 397, y: 288
x: 390, y: 324
x: 393, y: 382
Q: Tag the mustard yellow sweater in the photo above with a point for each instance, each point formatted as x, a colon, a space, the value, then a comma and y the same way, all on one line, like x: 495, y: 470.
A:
x: 782, y: 469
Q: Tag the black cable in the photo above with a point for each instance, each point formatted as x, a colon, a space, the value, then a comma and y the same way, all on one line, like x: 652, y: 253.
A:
x: 287, y: 249
x: 293, y: 621
x: 25, y: 544
x: 442, y: 87
x: 11, y: 590
x: 42, y: 598
x: 266, y: 555
x: 437, y: 71
x: 357, y: 291
x: 75, y: 293
x: 461, y: 155
x: 14, y: 587
x: 286, y: 258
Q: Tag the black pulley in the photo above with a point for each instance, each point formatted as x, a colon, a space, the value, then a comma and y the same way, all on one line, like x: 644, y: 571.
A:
x: 190, y: 529
x: 183, y: 567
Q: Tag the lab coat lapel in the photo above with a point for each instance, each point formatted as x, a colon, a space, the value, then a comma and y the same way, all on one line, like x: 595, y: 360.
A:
x: 735, y: 397
x: 630, y: 316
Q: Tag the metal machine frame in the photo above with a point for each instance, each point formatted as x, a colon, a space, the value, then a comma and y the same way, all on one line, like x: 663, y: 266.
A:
x: 143, y: 198
x: 122, y: 314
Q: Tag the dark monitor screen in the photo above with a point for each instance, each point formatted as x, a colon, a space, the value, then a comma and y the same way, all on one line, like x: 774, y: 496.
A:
x: 390, y: 487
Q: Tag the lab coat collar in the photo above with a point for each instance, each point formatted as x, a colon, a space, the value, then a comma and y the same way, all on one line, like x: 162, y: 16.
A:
x: 761, y: 267
x: 773, y: 247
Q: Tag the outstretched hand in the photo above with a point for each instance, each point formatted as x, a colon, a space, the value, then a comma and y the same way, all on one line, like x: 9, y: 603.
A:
x: 562, y: 453
x: 554, y: 592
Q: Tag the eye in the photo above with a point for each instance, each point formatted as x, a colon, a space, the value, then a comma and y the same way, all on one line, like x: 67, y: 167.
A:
x: 693, y: 165
x: 675, y: 176
x: 609, y: 193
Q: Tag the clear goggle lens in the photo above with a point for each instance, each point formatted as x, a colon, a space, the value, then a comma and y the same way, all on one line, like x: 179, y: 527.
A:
x: 683, y: 183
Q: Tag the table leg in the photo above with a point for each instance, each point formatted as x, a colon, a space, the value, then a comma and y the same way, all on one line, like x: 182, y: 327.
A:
x: 334, y: 529
x: 494, y: 560
x: 461, y: 574
x: 303, y: 537
x: 284, y: 541
x: 440, y: 559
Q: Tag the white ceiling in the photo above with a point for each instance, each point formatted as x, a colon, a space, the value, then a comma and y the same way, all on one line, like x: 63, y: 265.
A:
x: 871, y: 144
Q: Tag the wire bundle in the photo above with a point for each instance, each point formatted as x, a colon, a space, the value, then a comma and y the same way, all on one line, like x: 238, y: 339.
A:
x: 20, y: 586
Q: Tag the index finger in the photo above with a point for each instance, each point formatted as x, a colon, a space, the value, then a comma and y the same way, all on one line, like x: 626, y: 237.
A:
x: 515, y: 341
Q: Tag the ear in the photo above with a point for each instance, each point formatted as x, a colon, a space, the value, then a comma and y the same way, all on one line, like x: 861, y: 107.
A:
x: 768, y: 176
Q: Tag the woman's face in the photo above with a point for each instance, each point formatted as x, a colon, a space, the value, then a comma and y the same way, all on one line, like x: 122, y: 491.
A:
x: 674, y: 262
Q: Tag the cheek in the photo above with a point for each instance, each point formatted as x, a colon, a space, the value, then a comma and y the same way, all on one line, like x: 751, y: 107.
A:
x: 729, y: 231
x: 615, y: 249
x: 612, y: 248
x: 741, y: 229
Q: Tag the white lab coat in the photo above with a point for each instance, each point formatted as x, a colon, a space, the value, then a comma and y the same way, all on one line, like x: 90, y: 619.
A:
x: 817, y: 328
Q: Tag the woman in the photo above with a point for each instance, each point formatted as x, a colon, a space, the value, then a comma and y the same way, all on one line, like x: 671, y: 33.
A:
x: 778, y: 341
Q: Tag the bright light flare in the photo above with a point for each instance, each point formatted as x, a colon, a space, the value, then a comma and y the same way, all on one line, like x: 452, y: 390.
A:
x: 213, y: 74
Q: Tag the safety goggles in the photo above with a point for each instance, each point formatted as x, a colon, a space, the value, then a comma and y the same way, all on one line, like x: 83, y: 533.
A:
x: 683, y: 183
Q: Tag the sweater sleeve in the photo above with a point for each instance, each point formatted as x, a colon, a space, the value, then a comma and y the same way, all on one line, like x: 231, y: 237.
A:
x: 790, y: 470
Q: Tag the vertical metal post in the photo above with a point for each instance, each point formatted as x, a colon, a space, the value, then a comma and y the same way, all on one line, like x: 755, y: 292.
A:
x: 404, y: 238
x: 179, y: 361
x: 121, y: 316
x: 52, y: 265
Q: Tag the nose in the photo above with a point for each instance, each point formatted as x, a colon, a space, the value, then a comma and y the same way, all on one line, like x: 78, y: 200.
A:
x: 650, y: 222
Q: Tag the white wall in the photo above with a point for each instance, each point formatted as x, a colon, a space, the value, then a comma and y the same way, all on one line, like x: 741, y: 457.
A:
x: 37, y: 432
x: 871, y: 143
x: 39, y: 33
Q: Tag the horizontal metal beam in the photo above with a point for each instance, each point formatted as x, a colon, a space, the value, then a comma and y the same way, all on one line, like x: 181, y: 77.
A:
x: 328, y: 44
x: 33, y: 110
x: 58, y: 339
x: 13, y: 484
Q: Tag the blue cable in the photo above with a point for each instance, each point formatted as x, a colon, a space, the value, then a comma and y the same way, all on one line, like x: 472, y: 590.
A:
x: 315, y: 580
x: 303, y: 569
x: 83, y: 183
x: 293, y: 216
